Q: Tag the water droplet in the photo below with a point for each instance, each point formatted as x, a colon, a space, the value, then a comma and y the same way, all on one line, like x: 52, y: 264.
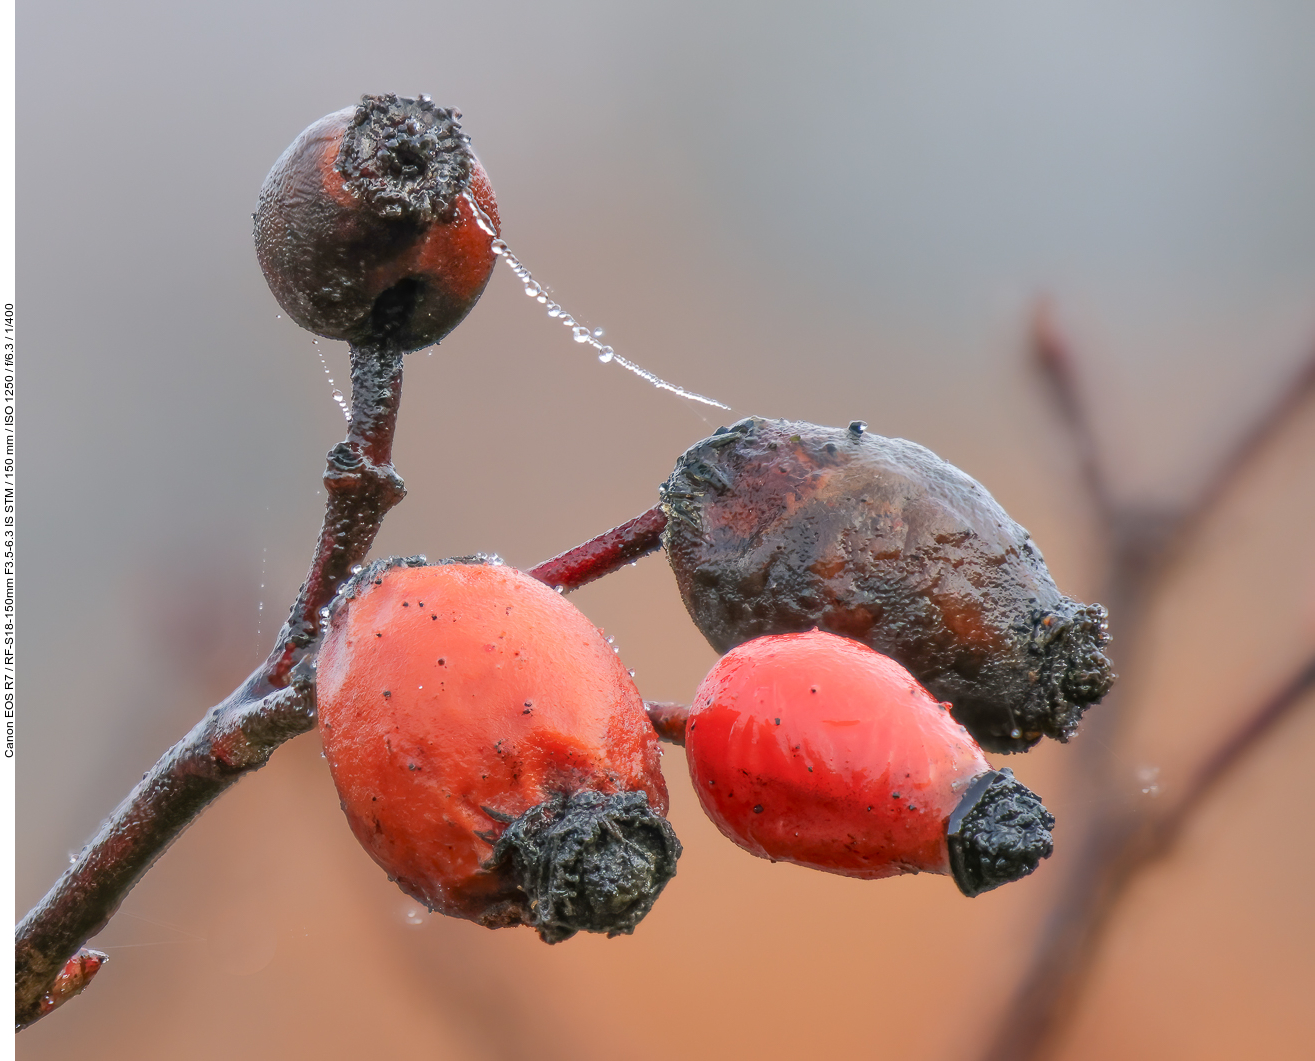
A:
x: 560, y: 589
x: 482, y: 220
x: 1148, y: 776
x: 324, y: 613
x: 583, y: 334
x: 337, y: 394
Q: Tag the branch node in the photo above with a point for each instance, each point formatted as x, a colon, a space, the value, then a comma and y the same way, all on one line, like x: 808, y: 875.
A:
x: 72, y: 979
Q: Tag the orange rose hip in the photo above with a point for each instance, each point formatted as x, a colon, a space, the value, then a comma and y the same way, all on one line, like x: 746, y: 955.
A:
x: 491, y: 752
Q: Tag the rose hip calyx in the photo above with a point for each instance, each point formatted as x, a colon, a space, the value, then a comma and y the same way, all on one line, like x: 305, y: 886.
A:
x: 589, y: 862
x: 406, y: 158
x: 999, y: 833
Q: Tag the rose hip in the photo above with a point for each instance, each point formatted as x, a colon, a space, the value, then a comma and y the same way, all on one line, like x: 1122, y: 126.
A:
x: 776, y: 526
x: 377, y: 224
x: 814, y: 749
x: 490, y: 750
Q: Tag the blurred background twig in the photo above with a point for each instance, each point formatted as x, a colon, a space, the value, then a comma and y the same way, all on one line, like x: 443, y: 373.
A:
x: 1120, y: 838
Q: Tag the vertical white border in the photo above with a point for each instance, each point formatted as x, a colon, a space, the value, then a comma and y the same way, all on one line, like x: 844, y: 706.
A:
x: 7, y: 270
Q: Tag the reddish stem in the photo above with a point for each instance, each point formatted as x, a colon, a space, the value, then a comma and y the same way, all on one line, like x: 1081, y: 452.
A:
x: 602, y: 555
x: 668, y: 719
x: 362, y: 486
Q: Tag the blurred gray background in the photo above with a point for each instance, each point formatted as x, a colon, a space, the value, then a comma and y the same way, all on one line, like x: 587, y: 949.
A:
x: 822, y: 212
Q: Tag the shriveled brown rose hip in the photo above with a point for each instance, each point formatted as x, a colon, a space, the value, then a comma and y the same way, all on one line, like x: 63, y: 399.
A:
x: 777, y: 527
x: 377, y: 224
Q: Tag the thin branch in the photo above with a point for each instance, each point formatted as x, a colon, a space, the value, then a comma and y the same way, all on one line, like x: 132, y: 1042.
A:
x: 1216, y: 767
x: 668, y: 719
x: 1120, y: 848
x: 275, y: 703
x: 1053, y: 356
x: 1287, y: 402
x: 1120, y: 842
x: 362, y: 486
x: 604, y: 554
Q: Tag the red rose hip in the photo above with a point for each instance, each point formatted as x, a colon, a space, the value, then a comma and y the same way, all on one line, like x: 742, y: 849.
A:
x: 490, y: 750
x: 812, y: 748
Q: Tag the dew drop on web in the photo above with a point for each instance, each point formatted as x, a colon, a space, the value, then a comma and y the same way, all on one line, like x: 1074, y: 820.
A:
x: 260, y: 604
x: 579, y: 332
x: 338, y: 396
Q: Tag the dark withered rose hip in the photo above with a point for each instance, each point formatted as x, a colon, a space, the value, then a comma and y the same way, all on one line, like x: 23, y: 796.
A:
x: 776, y: 526
x: 377, y: 224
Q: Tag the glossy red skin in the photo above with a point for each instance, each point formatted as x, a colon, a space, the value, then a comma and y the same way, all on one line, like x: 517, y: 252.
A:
x: 416, y: 768
x: 861, y: 773
x: 327, y: 258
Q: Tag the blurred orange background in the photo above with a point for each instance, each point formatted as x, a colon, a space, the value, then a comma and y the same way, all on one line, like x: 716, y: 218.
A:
x: 825, y: 214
